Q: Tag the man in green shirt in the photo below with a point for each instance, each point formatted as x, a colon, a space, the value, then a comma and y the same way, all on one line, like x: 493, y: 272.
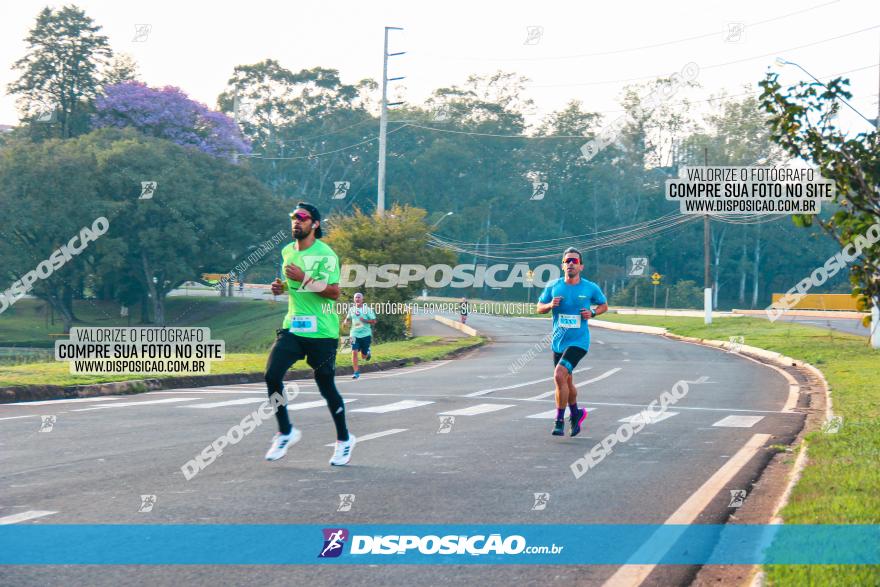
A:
x: 362, y: 319
x: 310, y: 329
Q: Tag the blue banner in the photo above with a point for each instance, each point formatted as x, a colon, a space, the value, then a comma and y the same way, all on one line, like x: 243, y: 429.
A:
x: 72, y: 544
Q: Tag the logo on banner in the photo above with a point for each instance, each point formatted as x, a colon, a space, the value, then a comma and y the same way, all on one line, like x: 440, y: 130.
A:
x: 334, y: 540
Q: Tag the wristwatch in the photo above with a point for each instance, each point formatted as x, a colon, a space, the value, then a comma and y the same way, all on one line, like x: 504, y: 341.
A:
x: 592, y: 313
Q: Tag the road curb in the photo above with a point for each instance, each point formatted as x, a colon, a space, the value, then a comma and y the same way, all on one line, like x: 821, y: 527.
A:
x: 627, y: 327
x: 456, y: 325
x: 26, y: 393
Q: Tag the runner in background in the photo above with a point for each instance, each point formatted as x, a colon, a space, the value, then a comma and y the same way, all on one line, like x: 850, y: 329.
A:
x: 362, y: 319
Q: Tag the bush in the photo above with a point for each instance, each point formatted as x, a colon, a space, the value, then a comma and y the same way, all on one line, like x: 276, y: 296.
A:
x: 399, y: 237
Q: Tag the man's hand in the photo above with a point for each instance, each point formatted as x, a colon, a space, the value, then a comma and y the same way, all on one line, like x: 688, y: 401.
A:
x: 586, y: 313
x: 543, y: 308
x: 294, y: 272
x: 277, y: 287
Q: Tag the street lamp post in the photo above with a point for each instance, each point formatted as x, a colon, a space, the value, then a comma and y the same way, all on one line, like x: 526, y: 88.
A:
x: 444, y: 217
x: 782, y: 61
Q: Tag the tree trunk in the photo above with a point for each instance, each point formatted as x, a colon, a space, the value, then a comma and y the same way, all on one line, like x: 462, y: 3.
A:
x: 756, y: 273
x: 743, y: 276
x: 155, y: 295
x: 67, y: 302
x: 145, y: 311
x: 58, y: 305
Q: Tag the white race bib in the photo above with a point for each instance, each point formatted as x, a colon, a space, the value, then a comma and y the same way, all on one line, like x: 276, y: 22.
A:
x: 304, y: 324
x: 569, y: 321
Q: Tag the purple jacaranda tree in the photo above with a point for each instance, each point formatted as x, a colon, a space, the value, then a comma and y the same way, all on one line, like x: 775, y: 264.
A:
x: 168, y: 113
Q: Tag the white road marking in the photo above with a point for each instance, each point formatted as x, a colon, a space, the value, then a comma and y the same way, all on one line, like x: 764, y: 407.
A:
x: 169, y: 400
x: 629, y: 575
x: 396, y: 406
x: 551, y: 414
x: 404, y: 371
x: 522, y: 399
x: 257, y: 400
x: 738, y: 421
x: 232, y: 402
x: 477, y: 409
x: 217, y: 392
x: 604, y: 375
x: 53, y: 402
x: 24, y: 517
x: 315, y: 404
x: 485, y: 391
x: 215, y: 389
x: 653, y: 417
x: 365, y: 437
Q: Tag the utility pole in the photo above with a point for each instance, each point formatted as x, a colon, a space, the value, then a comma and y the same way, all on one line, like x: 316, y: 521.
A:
x: 235, y: 106
x: 383, y: 121
x: 707, y: 278
x: 488, y: 226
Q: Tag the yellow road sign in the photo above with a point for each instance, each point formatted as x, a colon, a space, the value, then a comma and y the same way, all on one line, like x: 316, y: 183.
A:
x: 656, y: 276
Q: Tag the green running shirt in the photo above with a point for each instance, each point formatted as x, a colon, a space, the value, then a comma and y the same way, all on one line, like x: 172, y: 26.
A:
x: 309, y: 314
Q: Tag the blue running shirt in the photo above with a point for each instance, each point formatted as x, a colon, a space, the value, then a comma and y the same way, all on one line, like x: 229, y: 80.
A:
x: 569, y: 329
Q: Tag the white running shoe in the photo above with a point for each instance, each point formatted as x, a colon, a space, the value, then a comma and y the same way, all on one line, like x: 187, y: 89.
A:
x: 281, y: 442
x: 342, y: 454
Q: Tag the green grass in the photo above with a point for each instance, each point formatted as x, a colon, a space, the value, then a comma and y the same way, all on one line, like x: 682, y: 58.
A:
x: 57, y: 373
x: 247, y: 326
x: 841, y: 482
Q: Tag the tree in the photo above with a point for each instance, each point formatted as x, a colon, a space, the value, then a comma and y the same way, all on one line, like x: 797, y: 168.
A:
x: 62, y: 68
x: 309, y: 128
x: 202, y: 217
x: 49, y: 191
x: 169, y: 114
x: 122, y: 69
x: 400, y: 237
x: 802, y: 119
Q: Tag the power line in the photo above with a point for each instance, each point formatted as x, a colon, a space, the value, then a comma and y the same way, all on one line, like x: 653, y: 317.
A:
x: 631, y: 49
x: 313, y: 155
x: 713, y: 66
x: 497, y: 136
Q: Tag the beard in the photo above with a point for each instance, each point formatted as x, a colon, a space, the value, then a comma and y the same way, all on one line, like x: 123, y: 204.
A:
x: 299, y: 234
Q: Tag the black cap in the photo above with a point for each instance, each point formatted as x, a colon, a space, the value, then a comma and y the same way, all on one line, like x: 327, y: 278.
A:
x: 313, y: 212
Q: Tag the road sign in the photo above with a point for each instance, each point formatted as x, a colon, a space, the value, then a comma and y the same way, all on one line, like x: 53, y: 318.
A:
x: 655, y: 278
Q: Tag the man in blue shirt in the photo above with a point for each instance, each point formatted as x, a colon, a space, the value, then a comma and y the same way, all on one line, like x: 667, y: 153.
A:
x: 570, y: 298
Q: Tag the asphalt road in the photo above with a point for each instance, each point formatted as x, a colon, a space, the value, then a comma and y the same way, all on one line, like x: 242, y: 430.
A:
x: 848, y: 325
x: 104, y: 453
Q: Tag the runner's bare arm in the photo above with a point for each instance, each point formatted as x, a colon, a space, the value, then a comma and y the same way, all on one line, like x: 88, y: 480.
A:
x: 322, y: 289
x: 600, y: 309
x: 544, y: 308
